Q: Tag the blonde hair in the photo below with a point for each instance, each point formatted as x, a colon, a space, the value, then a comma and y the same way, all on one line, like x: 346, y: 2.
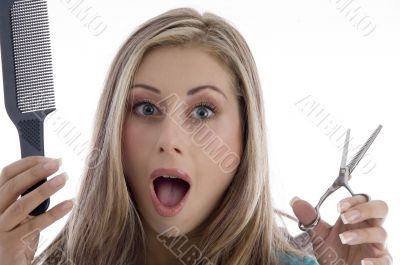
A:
x: 105, y: 228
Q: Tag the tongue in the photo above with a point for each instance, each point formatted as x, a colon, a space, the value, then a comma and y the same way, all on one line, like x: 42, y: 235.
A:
x: 170, y: 191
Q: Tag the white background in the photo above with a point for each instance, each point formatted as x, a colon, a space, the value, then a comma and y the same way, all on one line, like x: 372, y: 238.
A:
x: 306, y: 52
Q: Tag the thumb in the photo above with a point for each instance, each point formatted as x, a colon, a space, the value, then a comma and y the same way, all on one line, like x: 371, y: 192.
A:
x: 306, y: 214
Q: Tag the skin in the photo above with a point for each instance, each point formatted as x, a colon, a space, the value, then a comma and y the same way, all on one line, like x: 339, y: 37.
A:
x: 19, y: 232
x: 370, y: 244
x: 173, y: 147
x: 153, y: 139
x: 153, y: 143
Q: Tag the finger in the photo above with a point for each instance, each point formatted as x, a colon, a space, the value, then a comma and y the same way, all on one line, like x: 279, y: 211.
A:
x: 384, y: 260
x: 15, y: 186
x: 18, y: 211
x: 349, y: 202
x: 20, y: 166
x: 40, y: 222
x: 28, y: 218
x: 375, y: 209
x: 376, y: 235
x: 306, y: 214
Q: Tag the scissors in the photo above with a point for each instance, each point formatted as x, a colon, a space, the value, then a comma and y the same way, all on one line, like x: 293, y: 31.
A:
x: 344, y: 175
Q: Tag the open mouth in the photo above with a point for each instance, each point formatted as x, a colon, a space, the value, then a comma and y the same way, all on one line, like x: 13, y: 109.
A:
x: 170, y: 190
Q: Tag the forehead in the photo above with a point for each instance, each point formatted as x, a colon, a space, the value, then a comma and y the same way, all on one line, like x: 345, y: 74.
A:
x: 182, y: 67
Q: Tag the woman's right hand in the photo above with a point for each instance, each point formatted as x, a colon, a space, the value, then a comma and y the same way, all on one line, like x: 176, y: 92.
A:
x: 19, y: 232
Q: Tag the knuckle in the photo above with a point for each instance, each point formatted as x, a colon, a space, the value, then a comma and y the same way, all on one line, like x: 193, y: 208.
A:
x: 10, y: 187
x: 4, y: 173
x: 17, y: 207
x: 44, y: 191
x: 35, y: 172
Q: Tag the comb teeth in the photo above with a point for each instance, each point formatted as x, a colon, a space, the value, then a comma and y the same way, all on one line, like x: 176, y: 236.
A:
x: 32, y: 56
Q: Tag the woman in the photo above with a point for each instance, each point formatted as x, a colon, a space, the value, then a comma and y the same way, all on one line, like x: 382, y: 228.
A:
x: 181, y: 176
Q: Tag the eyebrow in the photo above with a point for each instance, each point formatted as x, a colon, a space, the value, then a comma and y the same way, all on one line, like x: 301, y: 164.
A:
x: 189, y: 93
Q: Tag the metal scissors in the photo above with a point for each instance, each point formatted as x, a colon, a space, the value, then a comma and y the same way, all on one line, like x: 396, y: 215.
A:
x: 344, y: 175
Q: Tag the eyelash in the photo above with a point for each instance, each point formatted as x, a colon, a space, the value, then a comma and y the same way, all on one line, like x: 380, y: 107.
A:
x: 203, y: 103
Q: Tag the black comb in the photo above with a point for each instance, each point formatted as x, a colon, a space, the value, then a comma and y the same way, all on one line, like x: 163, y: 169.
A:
x: 27, y: 75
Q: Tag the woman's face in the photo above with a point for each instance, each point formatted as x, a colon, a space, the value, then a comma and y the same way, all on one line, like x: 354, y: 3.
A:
x: 161, y: 133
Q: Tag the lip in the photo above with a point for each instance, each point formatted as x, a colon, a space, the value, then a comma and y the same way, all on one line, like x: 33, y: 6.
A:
x: 160, y: 208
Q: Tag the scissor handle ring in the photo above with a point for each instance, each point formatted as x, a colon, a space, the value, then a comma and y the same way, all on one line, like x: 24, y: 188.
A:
x: 365, y: 195
x: 313, y: 224
x: 318, y: 218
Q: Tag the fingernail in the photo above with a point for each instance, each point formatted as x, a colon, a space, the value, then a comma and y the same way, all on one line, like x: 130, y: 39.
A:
x: 366, y: 262
x: 295, y: 198
x: 350, y: 216
x: 347, y: 237
x: 59, y: 161
x: 343, y: 206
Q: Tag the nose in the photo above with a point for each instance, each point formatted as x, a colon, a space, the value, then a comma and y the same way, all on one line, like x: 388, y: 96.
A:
x: 172, y: 137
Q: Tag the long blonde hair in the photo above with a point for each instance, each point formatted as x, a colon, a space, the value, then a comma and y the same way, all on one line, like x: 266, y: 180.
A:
x: 105, y: 227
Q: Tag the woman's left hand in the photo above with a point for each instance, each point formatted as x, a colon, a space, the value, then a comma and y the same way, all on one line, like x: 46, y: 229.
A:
x: 350, y: 241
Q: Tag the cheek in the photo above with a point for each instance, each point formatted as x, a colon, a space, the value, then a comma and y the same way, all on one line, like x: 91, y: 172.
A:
x: 228, y: 131
x: 136, y: 145
x: 218, y: 170
x: 136, y: 140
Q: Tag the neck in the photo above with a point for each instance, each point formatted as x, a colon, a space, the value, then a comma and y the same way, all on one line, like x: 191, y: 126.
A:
x: 167, y: 250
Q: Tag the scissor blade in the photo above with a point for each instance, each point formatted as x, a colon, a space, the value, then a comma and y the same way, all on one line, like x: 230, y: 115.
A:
x: 354, y: 162
x: 345, y: 150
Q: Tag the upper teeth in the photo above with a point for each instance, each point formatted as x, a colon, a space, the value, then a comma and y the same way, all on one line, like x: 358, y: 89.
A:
x: 171, y: 177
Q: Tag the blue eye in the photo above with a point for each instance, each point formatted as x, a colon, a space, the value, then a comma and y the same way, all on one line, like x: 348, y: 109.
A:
x: 203, y: 107
x: 148, y: 107
x: 145, y: 108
